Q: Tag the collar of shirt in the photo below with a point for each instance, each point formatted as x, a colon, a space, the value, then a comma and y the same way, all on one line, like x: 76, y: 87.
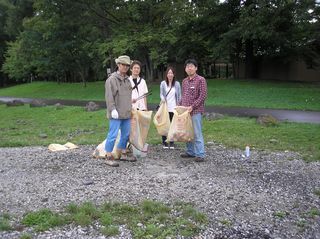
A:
x: 195, y: 75
x: 121, y: 76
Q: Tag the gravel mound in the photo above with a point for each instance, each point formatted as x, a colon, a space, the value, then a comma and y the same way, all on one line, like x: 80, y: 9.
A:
x: 242, y: 198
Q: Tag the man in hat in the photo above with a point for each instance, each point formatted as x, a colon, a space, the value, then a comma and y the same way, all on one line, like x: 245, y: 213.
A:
x: 118, y: 99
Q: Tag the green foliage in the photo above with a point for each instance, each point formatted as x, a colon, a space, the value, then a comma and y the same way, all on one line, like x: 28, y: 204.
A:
x: 314, y: 213
x: 110, y: 231
x: 25, y: 236
x: 5, y: 222
x: 280, y: 214
x: 148, y: 219
x: 43, y: 219
x: 225, y: 222
x: 73, y: 40
x: 317, y: 192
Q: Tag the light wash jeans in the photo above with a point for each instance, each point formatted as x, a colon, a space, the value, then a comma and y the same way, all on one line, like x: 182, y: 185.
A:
x: 196, y: 147
x: 114, y: 126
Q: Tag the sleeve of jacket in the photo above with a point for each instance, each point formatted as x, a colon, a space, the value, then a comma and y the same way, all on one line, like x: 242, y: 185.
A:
x: 110, y: 93
x: 162, y: 91
x: 178, y: 93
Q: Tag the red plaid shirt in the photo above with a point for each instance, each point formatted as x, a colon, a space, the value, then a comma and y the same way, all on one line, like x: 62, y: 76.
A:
x: 194, y: 93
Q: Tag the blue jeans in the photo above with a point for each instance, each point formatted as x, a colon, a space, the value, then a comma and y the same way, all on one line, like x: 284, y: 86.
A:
x: 196, y: 147
x: 114, y: 126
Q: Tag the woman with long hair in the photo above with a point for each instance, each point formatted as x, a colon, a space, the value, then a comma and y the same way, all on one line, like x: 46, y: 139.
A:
x: 170, y: 91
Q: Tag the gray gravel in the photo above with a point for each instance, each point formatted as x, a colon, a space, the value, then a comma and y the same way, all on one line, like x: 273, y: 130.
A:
x: 239, y: 196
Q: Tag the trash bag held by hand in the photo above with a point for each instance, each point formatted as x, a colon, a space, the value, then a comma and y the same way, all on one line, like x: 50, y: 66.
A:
x: 161, y: 119
x: 181, y: 128
x: 140, y: 124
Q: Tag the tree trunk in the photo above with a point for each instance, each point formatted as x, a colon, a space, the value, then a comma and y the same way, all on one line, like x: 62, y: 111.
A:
x: 149, y: 69
x: 249, y: 59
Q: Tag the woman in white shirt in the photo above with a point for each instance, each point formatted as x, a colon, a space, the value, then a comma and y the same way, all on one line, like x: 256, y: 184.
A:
x: 170, y: 91
x: 139, y: 86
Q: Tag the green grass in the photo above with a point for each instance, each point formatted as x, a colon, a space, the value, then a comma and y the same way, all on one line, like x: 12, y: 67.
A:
x: 280, y: 214
x: 242, y: 93
x: 142, y: 219
x: 44, y: 219
x: 22, y: 126
x: 5, y: 222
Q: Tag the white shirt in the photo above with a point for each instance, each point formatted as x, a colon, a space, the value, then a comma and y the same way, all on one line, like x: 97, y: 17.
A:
x: 171, y: 98
x: 142, y: 89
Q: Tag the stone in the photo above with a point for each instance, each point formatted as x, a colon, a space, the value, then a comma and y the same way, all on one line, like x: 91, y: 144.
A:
x: 37, y: 103
x: 15, y: 103
x: 43, y: 136
x: 91, y: 106
x: 213, y: 116
x: 59, y: 106
x: 267, y: 120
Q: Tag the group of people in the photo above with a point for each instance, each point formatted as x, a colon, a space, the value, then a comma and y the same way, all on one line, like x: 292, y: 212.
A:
x: 123, y: 92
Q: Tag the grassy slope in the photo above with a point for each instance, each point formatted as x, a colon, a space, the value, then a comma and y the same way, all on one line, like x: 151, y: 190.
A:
x: 243, y: 93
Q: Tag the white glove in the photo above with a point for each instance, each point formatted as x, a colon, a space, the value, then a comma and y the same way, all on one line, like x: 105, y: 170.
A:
x: 114, y: 114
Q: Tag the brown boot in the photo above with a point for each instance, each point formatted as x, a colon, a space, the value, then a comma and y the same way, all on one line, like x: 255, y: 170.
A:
x: 111, y: 162
x: 124, y: 157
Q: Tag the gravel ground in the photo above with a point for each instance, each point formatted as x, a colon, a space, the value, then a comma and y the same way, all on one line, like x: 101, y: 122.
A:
x: 245, y: 193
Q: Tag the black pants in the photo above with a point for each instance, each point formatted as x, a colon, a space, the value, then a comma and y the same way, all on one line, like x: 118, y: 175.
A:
x: 164, y: 138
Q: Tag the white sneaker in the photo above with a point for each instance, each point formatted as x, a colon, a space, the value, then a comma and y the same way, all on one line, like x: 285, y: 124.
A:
x: 171, y: 147
x: 165, y: 146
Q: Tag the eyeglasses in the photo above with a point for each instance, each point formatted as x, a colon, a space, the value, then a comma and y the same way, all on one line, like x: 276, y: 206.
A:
x: 124, y: 65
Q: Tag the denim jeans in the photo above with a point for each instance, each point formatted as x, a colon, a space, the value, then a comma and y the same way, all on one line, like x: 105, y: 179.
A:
x: 114, y: 126
x: 196, y: 147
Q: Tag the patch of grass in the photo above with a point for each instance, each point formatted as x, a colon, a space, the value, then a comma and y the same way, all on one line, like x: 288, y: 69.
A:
x: 110, y: 231
x: 25, y: 236
x: 225, y: 222
x: 148, y: 219
x: 91, y: 127
x: 302, y: 224
x: 82, y: 219
x: 314, y: 212
x: 43, y: 219
x: 5, y: 222
x: 106, y: 219
x: 280, y: 214
x: 317, y: 192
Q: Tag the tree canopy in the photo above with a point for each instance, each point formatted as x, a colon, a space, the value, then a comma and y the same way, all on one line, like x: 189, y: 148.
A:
x: 76, y: 40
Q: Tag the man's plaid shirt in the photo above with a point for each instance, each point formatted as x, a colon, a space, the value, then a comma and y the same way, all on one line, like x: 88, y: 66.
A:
x: 194, y: 93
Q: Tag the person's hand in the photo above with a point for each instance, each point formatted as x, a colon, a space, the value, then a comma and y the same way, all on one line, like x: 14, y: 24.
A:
x: 190, y: 109
x: 114, y: 114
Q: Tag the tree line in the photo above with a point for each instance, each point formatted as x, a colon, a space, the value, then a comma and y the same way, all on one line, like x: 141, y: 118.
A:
x: 76, y: 40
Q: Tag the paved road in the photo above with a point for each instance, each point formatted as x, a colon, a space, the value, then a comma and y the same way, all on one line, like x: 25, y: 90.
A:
x: 282, y: 115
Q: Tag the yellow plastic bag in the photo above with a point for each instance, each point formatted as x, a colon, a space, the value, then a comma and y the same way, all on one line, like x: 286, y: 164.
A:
x: 60, y: 147
x: 181, y: 128
x: 140, y: 124
x: 161, y: 119
x: 100, y: 151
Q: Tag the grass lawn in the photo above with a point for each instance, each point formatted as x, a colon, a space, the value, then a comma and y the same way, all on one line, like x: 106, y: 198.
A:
x: 242, y: 93
x: 22, y: 126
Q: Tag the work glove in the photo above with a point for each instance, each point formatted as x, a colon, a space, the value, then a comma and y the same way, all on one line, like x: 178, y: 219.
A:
x: 114, y: 114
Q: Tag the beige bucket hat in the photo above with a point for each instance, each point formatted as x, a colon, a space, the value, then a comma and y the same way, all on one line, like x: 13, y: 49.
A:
x: 123, y: 60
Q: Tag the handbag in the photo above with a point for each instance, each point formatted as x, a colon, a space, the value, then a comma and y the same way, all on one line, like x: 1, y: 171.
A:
x: 157, y: 108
